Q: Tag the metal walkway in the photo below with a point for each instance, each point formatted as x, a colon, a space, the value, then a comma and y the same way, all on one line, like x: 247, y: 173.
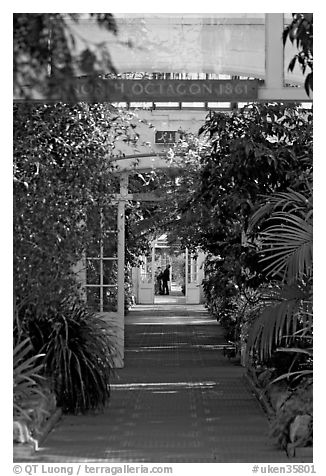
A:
x: 177, y: 400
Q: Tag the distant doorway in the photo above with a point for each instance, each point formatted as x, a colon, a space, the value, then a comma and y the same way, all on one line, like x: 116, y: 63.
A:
x: 186, y: 275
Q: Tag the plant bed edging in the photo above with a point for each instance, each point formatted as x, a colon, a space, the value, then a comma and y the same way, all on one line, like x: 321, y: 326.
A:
x: 28, y: 449
x: 260, y: 395
x: 23, y: 450
x: 304, y: 452
x: 301, y: 453
x: 51, y: 422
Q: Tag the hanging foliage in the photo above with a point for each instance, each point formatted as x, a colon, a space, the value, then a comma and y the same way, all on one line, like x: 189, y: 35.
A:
x: 46, y: 57
x: 62, y: 172
x: 300, y: 32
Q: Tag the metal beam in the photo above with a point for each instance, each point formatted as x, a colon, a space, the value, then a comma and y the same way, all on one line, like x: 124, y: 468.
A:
x: 280, y: 94
x: 274, y: 52
x: 147, y: 163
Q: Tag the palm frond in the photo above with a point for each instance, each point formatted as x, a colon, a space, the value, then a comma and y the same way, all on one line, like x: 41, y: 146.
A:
x: 26, y: 376
x: 277, y: 323
x: 297, y: 374
x: 292, y: 202
x: 297, y: 350
x: 288, y: 246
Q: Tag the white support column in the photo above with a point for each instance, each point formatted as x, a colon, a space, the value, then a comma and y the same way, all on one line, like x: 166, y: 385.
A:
x: 79, y: 269
x: 274, y: 54
x: 121, y: 243
x: 101, y: 261
x: 187, y: 270
x: 153, y: 266
x: 201, y: 274
x: 121, y: 259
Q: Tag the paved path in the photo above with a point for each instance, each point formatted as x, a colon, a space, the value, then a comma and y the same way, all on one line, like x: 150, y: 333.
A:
x: 178, y: 399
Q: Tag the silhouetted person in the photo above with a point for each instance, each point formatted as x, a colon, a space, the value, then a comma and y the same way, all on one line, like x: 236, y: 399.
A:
x: 158, y: 283
x: 165, y: 279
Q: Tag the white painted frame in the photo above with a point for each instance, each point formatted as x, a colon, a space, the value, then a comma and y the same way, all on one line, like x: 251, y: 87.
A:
x: 272, y: 90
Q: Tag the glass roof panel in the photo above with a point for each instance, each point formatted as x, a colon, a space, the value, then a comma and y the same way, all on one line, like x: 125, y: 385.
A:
x: 208, y: 43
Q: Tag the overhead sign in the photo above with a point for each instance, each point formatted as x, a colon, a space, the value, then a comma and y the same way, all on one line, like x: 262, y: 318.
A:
x: 156, y: 90
x: 167, y: 90
x: 165, y: 137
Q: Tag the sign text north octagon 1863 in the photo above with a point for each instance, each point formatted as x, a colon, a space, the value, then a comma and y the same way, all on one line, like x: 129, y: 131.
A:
x: 118, y: 90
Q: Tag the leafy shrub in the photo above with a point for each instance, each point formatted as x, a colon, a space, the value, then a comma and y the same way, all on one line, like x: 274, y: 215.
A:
x: 298, y: 402
x: 63, y: 182
x: 26, y: 378
x: 79, y: 349
x: 221, y: 295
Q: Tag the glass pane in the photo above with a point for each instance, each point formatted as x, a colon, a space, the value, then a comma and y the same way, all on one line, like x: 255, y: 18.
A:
x: 192, y: 104
x: 110, y: 218
x: 223, y: 105
x: 110, y: 244
x: 192, y: 270
x: 93, y: 271
x: 93, y: 299
x: 146, y: 271
x: 110, y: 299
x: 166, y: 104
x: 225, y: 43
x: 141, y: 105
x: 294, y: 77
x: 110, y: 271
x: 93, y: 238
x: 178, y: 268
x: 162, y: 257
x: 108, y: 233
x: 158, y: 263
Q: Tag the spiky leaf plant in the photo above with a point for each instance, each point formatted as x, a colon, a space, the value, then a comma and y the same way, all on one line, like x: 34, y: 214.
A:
x: 287, y: 236
x: 286, y: 247
x: 27, y: 370
x: 79, y: 350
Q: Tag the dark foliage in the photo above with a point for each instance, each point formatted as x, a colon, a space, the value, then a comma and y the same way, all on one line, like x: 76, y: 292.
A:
x: 45, y: 57
x: 300, y: 32
x: 78, y: 348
